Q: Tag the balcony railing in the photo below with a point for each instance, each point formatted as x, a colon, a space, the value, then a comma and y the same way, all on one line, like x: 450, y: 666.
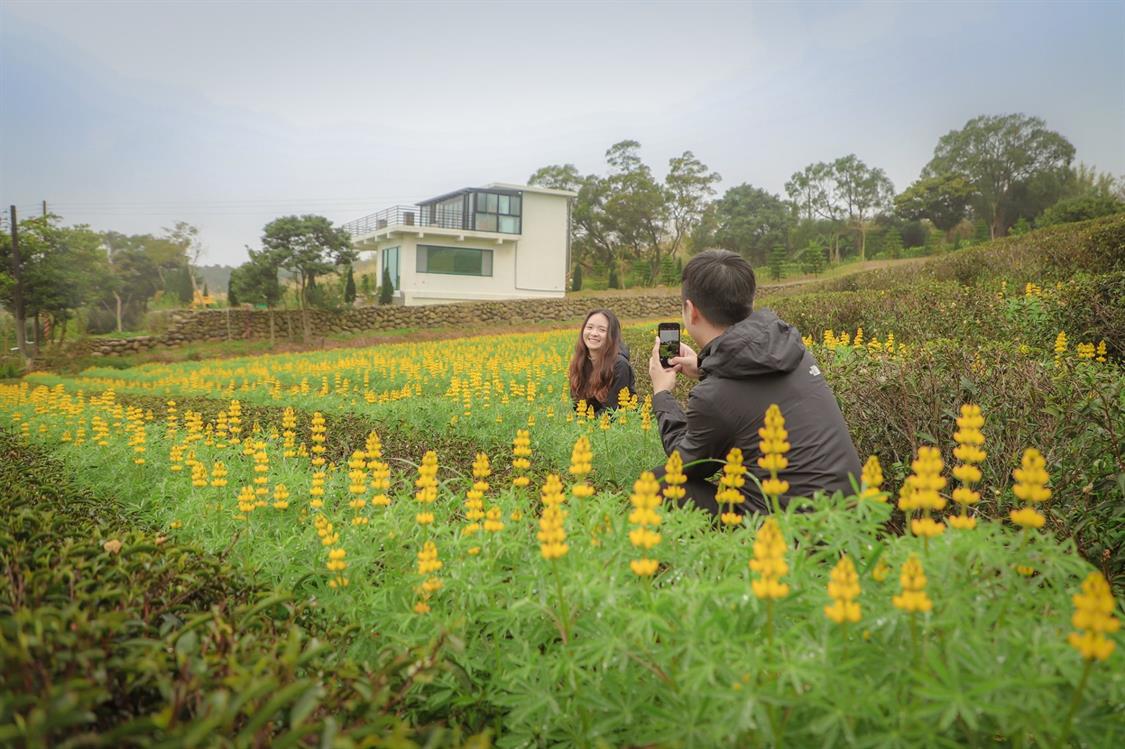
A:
x: 406, y: 215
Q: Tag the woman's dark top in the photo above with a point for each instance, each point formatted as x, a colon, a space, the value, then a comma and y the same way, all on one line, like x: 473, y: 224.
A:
x: 622, y: 378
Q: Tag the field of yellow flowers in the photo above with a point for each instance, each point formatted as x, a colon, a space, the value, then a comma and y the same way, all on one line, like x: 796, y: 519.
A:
x: 449, y: 491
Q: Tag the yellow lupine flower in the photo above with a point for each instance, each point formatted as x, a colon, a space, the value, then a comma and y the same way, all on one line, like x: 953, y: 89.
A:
x: 1031, y: 487
x: 521, y: 454
x: 645, y: 519
x: 769, y: 562
x: 774, y: 446
x: 426, y: 484
x: 581, y: 462
x: 843, y: 588
x: 1093, y: 617
x: 729, y: 484
x: 871, y: 481
x: 674, y: 478
x: 913, y: 579
x: 552, y: 532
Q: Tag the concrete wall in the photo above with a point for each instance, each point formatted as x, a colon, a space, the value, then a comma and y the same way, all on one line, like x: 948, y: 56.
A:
x: 220, y: 325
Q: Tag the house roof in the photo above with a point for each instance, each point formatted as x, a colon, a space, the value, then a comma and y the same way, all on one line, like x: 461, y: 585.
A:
x: 501, y: 187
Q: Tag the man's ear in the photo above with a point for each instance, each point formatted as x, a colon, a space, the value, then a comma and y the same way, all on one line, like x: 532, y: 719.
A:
x: 691, y: 312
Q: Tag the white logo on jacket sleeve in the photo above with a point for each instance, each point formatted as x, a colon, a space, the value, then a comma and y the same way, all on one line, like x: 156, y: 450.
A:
x: 814, y: 371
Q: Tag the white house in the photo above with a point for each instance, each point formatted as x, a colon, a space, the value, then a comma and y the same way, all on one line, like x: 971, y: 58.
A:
x: 499, y: 241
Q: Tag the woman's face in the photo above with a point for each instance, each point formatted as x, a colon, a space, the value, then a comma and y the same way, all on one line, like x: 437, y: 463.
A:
x: 596, y: 332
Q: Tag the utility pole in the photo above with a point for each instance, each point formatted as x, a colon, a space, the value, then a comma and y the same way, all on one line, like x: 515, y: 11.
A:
x: 17, y: 291
x: 44, y: 209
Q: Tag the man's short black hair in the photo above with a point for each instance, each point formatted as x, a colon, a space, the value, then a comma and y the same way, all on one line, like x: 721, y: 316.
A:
x: 721, y: 284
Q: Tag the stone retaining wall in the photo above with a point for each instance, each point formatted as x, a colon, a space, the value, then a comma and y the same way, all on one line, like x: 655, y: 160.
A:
x: 193, y: 326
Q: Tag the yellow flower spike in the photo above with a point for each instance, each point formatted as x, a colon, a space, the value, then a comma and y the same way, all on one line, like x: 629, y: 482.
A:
x: 521, y: 455
x: 871, y: 481
x: 921, y: 491
x: 645, y: 520
x: 774, y: 446
x: 674, y: 477
x: 1093, y: 617
x: 426, y: 484
x: 581, y: 463
x: 913, y: 580
x: 1031, y: 487
x: 730, y: 482
x: 552, y: 532
x: 769, y: 562
x: 843, y: 589
x: 880, y: 571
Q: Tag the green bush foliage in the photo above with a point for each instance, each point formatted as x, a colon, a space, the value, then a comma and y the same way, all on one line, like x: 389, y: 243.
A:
x: 111, y: 635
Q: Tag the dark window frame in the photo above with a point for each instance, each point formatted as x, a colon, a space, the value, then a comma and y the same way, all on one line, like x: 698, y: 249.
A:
x: 517, y: 213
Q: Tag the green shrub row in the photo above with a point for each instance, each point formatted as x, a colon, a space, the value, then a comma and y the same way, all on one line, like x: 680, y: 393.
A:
x: 113, y: 636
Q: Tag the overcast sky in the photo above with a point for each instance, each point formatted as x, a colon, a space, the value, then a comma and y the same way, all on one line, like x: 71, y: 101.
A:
x: 133, y: 115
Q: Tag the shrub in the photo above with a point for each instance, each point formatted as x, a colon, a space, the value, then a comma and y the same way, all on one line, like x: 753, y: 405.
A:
x: 114, y: 636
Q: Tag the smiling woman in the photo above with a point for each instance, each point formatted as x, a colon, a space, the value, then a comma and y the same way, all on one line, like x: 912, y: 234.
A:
x: 599, y: 369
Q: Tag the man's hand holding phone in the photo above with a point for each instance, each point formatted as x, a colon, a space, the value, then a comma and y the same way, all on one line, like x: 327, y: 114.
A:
x: 669, y: 356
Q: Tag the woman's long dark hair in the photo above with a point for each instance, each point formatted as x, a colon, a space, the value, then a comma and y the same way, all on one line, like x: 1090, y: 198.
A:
x: 590, y: 380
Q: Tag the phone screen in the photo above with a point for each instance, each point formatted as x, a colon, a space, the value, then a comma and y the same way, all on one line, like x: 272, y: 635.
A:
x: 669, y: 344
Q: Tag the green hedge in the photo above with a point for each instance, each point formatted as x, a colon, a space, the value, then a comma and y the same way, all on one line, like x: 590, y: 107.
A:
x: 113, y: 636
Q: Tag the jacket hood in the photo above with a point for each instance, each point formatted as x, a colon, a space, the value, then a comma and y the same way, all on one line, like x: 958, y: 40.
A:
x: 760, y: 344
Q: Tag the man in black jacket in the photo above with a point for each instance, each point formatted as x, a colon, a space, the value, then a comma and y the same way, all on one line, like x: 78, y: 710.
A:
x: 749, y: 360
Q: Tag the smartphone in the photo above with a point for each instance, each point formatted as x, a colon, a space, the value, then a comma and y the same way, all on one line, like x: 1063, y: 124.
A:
x: 669, y: 333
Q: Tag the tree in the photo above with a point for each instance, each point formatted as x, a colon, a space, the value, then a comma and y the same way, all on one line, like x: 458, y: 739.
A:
x: 812, y: 258
x: 576, y: 278
x: 232, y: 295
x: 688, y: 185
x: 349, y: 287
x: 777, y: 262
x: 614, y: 282
x: 751, y: 221
x: 813, y: 191
x: 256, y: 282
x: 183, y: 285
x: 1020, y: 228
x: 387, y: 289
x: 863, y: 192
x: 366, y: 286
x: 307, y: 246
x: 943, y: 199
x: 60, y: 270
x: 635, y: 205
x: 892, y: 243
x: 1000, y: 156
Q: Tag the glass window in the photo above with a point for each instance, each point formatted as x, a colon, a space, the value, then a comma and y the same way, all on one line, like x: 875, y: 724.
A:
x: 496, y: 212
x: 458, y: 261
x: 390, y: 263
x: 486, y: 222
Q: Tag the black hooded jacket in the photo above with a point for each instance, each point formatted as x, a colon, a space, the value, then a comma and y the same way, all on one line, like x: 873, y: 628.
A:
x: 756, y: 362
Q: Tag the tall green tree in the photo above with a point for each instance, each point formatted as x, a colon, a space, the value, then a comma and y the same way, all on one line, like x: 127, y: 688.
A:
x: 61, y: 269
x: 943, y: 199
x: 349, y: 287
x: 688, y: 186
x: 256, y: 282
x: 307, y: 246
x: 1002, y: 157
x: 813, y: 191
x: 751, y: 222
x: 862, y: 192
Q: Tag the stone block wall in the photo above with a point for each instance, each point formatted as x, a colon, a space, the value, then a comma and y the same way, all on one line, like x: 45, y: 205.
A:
x: 194, y: 326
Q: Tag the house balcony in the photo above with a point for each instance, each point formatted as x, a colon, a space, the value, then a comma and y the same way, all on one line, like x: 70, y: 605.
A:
x: 420, y: 221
